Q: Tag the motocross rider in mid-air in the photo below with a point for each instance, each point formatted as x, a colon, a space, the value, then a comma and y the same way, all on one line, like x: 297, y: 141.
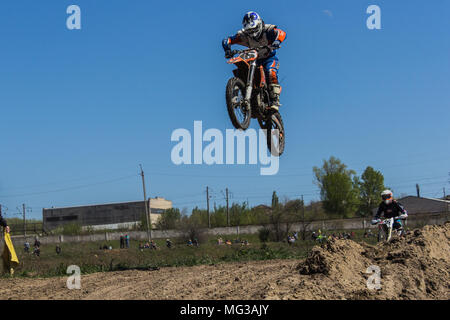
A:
x: 255, y: 33
x: 389, y: 208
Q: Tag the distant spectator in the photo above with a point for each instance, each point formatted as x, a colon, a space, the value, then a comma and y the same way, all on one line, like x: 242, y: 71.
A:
x: 352, y: 235
x: 26, y: 247
x: 37, y: 251
x: 141, y: 246
x: 296, y: 235
x: 320, y: 238
x: 122, y: 242
x: 189, y: 243
x: 37, y: 243
x: 291, y: 240
x: 314, y: 235
x: 58, y: 249
x: 127, y: 240
x: 195, y: 242
x: 110, y: 248
x: 168, y: 243
x: 219, y: 241
x: 228, y: 242
x: 147, y: 245
x: 153, y: 245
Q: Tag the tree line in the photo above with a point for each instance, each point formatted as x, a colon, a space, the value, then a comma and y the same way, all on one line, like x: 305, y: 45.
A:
x: 343, y: 194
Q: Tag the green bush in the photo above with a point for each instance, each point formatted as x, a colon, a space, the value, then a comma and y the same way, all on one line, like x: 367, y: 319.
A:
x: 71, y: 229
x: 264, y: 234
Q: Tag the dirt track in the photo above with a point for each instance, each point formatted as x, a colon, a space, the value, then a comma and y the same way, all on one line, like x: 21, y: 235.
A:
x: 413, y: 268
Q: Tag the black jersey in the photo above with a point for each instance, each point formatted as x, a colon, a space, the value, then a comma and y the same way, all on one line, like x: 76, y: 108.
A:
x: 391, y: 210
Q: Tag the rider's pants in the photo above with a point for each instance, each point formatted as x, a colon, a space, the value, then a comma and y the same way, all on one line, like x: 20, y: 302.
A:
x: 271, y: 65
x: 397, y: 224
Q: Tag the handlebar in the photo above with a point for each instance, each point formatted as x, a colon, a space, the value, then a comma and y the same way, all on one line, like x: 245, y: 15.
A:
x: 379, y: 220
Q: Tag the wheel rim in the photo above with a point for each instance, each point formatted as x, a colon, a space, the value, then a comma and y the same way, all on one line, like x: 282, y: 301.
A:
x: 239, y: 105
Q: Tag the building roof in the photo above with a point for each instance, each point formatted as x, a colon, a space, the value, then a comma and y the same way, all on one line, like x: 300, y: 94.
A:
x: 263, y: 207
x: 106, y: 204
x: 414, y: 205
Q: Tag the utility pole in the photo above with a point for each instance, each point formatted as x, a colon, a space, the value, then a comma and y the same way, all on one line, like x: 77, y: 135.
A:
x: 147, y: 215
x: 24, y: 221
x: 443, y: 189
x: 303, y: 210
x: 228, y: 214
x: 207, y: 207
x: 418, y: 190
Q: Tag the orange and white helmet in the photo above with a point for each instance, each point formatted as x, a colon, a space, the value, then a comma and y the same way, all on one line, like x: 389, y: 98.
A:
x: 387, y: 196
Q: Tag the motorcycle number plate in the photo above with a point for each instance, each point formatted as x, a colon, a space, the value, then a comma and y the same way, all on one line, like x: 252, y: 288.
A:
x: 249, y: 56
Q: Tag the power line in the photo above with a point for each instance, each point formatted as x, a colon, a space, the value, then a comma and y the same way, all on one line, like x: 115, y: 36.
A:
x: 63, y: 181
x: 67, y: 189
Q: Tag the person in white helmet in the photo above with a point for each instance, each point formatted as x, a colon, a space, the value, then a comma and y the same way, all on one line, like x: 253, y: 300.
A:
x: 255, y: 33
x: 390, y: 208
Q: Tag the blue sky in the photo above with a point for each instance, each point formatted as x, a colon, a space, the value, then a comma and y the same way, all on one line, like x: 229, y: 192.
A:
x: 81, y: 109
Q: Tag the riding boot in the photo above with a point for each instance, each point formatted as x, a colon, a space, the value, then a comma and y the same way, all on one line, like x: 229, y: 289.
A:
x: 274, y: 92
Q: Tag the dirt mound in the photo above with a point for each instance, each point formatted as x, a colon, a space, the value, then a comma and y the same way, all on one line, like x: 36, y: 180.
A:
x: 413, y: 267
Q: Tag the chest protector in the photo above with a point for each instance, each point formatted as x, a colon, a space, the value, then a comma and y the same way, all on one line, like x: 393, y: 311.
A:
x: 263, y: 40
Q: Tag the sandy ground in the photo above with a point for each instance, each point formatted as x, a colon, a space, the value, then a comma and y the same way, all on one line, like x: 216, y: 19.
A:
x: 225, y: 281
x: 415, y: 267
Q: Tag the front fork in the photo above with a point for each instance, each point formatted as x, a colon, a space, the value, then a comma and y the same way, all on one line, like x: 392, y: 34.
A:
x: 389, y: 234
x: 249, y: 85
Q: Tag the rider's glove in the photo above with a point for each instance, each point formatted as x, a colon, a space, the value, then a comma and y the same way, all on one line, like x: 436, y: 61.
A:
x: 228, y: 54
x: 276, y: 44
x: 375, y: 221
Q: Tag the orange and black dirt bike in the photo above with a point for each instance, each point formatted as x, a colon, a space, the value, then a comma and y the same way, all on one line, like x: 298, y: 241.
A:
x: 247, y: 96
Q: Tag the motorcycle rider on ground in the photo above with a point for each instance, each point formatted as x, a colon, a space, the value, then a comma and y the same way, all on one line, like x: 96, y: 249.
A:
x: 390, y: 208
x: 255, y: 33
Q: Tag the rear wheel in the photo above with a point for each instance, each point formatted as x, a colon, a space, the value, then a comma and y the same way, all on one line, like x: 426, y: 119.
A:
x: 275, y: 134
x: 239, y: 114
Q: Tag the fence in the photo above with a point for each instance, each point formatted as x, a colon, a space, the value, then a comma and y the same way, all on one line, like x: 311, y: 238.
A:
x: 414, y: 221
x: 32, y: 228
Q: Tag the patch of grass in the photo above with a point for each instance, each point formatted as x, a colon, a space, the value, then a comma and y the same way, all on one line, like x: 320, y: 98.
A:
x: 90, y: 258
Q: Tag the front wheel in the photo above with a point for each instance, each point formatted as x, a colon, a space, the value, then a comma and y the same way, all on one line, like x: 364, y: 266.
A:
x: 239, y: 112
x: 275, y: 134
x: 382, y: 234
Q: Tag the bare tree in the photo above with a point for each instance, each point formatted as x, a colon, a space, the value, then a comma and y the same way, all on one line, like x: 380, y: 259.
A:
x: 297, y: 207
x: 281, y: 217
